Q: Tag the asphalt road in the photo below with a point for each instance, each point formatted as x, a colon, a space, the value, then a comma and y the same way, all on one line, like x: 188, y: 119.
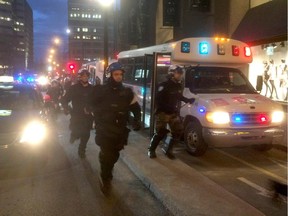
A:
x: 244, y: 172
x: 67, y: 185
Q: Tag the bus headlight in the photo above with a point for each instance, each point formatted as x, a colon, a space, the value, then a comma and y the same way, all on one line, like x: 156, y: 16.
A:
x: 218, y: 117
x: 277, y: 116
x: 34, y: 133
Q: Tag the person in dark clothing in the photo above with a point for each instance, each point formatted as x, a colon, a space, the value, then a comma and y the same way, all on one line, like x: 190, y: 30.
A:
x: 81, y: 117
x: 168, y: 96
x: 112, y: 103
x: 55, y: 91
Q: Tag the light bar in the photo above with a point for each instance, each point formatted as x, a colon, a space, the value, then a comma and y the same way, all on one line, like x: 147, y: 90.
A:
x: 185, y: 47
x: 203, y: 48
x: 221, y: 49
x: 235, y: 50
x: 247, y: 51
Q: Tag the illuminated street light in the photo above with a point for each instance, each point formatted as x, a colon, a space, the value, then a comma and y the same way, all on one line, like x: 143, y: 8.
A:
x: 68, y: 31
x: 57, y: 40
x: 52, y: 51
x: 106, y: 4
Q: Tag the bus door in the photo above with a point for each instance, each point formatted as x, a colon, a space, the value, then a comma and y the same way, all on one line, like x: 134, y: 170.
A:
x: 146, y: 106
x: 161, y: 63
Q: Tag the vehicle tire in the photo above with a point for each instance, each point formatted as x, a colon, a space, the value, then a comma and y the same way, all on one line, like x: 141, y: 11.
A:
x: 263, y: 147
x: 193, y: 139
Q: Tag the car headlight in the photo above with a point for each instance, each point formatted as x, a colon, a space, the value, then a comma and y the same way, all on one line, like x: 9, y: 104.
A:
x: 218, y: 117
x: 277, y: 116
x: 34, y: 133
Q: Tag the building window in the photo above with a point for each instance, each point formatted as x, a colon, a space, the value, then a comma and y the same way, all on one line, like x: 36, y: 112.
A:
x: 200, y: 5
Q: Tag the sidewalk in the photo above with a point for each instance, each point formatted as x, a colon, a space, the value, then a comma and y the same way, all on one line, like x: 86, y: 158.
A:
x: 182, y: 189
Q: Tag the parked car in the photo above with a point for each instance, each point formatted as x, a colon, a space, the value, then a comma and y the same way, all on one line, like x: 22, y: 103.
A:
x: 24, y: 135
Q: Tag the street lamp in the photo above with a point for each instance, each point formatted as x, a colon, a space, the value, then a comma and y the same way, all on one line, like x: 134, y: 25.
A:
x: 106, y: 4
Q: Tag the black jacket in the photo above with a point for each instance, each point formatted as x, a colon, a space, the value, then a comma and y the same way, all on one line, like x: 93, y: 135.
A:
x: 168, y: 96
x: 111, y: 105
x: 80, y: 97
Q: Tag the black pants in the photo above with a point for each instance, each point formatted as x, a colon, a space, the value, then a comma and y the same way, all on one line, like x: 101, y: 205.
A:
x: 109, y: 154
x: 80, y: 126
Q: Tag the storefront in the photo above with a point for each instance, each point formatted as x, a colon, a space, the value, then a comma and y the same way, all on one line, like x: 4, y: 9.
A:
x: 264, y: 28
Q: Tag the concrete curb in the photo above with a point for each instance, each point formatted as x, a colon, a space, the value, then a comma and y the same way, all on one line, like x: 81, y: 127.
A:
x: 181, y: 189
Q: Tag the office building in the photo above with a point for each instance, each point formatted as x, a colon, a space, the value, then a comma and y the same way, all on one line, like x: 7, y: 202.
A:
x: 86, y: 27
x: 16, y: 36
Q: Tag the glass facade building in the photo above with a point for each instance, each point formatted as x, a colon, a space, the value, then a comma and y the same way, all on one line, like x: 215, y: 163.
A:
x: 16, y: 36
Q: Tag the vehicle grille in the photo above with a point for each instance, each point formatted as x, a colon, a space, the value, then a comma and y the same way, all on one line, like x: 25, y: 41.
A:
x: 247, y: 119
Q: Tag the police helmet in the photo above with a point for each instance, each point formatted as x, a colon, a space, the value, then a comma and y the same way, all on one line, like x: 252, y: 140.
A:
x: 175, y: 68
x: 113, y: 67
x: 83, y: 71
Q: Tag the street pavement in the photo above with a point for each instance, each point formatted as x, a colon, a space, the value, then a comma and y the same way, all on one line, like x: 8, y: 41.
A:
x: 182, y: 189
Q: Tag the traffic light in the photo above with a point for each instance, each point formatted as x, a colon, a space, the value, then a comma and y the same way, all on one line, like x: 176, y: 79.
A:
x: 71, y: 66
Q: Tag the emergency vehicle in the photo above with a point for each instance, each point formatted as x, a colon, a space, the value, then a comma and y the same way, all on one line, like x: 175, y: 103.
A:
x: 227, y: 111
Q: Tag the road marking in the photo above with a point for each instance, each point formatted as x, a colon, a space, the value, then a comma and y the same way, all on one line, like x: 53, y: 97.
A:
x: 276, y: 177
x: 278, y: 162
x: 262, y: 191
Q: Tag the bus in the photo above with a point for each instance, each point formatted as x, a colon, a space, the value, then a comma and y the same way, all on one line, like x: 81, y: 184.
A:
x: 227, y: 111
x: 96, y: 69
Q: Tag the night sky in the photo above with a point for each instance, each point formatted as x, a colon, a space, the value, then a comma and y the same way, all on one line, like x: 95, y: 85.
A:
x: 50, y: 19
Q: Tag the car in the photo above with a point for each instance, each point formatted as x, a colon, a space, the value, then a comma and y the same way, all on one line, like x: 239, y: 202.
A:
x: 24, y: 134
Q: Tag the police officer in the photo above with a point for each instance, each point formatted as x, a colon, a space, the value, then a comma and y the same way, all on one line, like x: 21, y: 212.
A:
x: 81, y: 119
x: 112, y: 104
x: 167, y: 99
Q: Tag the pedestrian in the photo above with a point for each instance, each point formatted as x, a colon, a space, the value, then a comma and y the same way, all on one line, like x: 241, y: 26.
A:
x: 81, y: 120
x: 112, y: 103
x: 168, y: 97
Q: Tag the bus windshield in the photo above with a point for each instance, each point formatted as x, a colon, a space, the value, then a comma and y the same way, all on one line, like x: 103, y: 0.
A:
x: 217, y: 80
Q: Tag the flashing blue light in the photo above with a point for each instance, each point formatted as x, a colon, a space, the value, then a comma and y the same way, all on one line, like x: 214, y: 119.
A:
x: 202, y: 110
x: 203, y: 48
x: 185, y: 47
x: 237, y: 119
x: 30, y: 79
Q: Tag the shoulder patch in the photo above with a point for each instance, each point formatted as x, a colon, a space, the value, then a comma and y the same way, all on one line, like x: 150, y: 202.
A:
x: 160, y: 88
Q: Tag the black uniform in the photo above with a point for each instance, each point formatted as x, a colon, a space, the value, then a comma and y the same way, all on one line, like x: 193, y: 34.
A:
x: 168, y: 96
x: 112, y: 103
x: 81, y: 121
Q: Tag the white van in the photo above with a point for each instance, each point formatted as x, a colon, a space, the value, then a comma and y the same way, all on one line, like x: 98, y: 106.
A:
x: 227, y: 111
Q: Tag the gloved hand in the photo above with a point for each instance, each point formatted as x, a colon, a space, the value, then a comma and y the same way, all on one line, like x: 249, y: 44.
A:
x: 136, y: 125
x: 191, y: 100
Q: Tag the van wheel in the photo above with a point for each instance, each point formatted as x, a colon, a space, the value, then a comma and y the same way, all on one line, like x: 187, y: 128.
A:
x: 263, y: 147
x: 194, y: 141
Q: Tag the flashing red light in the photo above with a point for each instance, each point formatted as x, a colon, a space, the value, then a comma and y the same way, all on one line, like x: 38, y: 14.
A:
x: 71, y: 66
x: 263, y: 118
x: 247, y: 51
x: 235, y: 50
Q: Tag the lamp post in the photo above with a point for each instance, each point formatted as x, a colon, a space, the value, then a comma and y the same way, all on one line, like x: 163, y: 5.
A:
x: 106, y: 4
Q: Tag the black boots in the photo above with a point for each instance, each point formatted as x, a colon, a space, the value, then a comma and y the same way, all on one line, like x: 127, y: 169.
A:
x: 153, y: 145
x: 168, y: 149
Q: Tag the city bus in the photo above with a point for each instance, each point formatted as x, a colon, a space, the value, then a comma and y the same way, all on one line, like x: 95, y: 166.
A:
x: 227, y: 112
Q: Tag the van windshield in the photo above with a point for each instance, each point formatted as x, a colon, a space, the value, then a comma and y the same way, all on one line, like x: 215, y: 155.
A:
x: 217, y: 80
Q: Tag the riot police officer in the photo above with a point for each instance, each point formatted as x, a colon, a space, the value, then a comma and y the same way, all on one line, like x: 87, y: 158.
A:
x: 81, y: 118
x: 168, y: 96
x: 112, y: 103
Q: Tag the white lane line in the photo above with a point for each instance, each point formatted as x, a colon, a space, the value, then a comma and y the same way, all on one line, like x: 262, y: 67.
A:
x: 278, y: 162
x: 276, y: 177
x: 262, y: 191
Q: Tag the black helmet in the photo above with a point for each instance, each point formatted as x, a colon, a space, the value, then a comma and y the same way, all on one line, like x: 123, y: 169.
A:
x: 113, y: 67
x: 84, y: 71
